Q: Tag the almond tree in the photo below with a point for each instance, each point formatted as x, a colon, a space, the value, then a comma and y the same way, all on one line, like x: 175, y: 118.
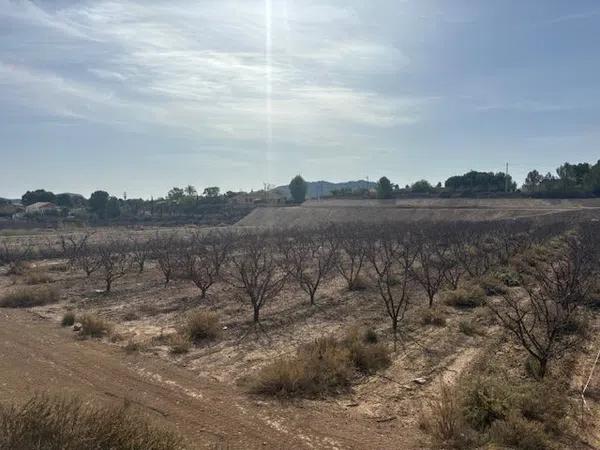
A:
x: 352, y: 250
x: 309, y: 259
x: 140, y: 251
x: 255, y: 272
x: 392, y: 258
x: 164, y: 251
x: 555, y: 291
x: 113, y: 262
x: 431, y: 267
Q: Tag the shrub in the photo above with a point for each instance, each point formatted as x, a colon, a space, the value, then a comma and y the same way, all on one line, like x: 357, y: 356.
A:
x: 469, y: 297
x: 320, y: 367
x: 325, y: 366
x: 433, y: 317
x: 358, y: 284
x: 444, y: 421
x: 470, y: 328
x: 509, y: 277
x: 37, y: 277
x: 366, y: 356
x: 519, y: 433
x: 371, y: 336
x: 94, y: 326
x: 202, y: 325
x: 492, y: 285
x: 68, y: 319
x: 47, y: 423
x: 178, y: 344
x: 485, y: 401
x: 29, y: 297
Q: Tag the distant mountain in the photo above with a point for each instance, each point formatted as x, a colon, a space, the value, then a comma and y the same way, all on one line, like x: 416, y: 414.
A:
x: 324, y: 188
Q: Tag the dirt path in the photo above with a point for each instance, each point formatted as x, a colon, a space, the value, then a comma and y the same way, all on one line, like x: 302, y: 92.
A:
x: 37, y: 355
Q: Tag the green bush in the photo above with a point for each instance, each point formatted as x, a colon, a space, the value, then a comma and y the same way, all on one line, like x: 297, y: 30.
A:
x: 468, y: 297
x: 29, y: 297
x: 48, y: 423
x: 485, y: 401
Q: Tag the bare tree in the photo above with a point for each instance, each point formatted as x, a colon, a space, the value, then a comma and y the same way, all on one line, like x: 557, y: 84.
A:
x: 113, y: 262
x: 352, y: 250
x: 140, y: 249
x: 430, y: 270
x: 164, y: 250
x: 255, y: 271
x: 555, y: 291
x: 392, y: 258
x: 218, y: 245
x: 309, y: 258
x: 196, y: 263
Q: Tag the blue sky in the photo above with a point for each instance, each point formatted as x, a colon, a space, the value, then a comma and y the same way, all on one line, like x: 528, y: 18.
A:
x: 139, y: 96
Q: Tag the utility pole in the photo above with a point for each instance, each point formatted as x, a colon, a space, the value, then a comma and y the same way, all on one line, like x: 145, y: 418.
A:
x: 506, y: 179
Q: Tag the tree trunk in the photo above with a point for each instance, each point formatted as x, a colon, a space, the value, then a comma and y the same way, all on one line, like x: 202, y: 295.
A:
x: 256, y: 314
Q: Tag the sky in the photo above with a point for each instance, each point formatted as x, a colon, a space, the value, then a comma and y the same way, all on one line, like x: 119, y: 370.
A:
x: 140, y: 96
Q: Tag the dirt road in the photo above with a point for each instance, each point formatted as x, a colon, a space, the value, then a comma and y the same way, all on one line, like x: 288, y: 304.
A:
x: 37, y: 355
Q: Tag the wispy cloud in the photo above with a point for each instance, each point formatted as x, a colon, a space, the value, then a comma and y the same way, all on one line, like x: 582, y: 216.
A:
x: 203, y: 68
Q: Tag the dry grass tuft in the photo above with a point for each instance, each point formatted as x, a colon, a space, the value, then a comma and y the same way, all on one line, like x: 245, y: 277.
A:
x: 433, y: 317
x: 202, y: 325
x: 29, y: 297
x: 94, y: 326
x: 37, y: 277
x: 470, y: 328
x: 68, y: 319
x: 467, y: 297
x: 325, y: 366
x: 178, y: 344
x: 47, y: 423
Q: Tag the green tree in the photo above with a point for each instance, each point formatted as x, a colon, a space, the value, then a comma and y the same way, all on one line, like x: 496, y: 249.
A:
x: 113, y: 208
x: 212, y: 191
x: 384, y: 188
x: 98, y: 201
x: 175, y: 194
x: 190, y: 190
x: 39, y: 195
x: 533, y: 181
x: 298, y: 188
x: 421, y: 186
x: 64, y: 200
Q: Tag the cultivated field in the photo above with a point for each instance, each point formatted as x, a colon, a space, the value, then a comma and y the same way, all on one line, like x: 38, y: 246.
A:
x: 410, y: 325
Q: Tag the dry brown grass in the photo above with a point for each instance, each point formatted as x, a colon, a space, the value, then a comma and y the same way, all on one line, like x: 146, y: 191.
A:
x: 466, y: 297
x: 37, y: 277
x: 433, y: 316
x: 52, y: 423
x: 94, y: 326
x: 68, y: 319
x: 325, y: 366
x: 470, y: 328
x: 29, y: 297
x: 178, y: 344
x: 202, y: 325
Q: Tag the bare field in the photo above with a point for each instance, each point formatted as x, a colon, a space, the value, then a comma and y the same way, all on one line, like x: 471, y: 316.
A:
x: 313, y: 212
